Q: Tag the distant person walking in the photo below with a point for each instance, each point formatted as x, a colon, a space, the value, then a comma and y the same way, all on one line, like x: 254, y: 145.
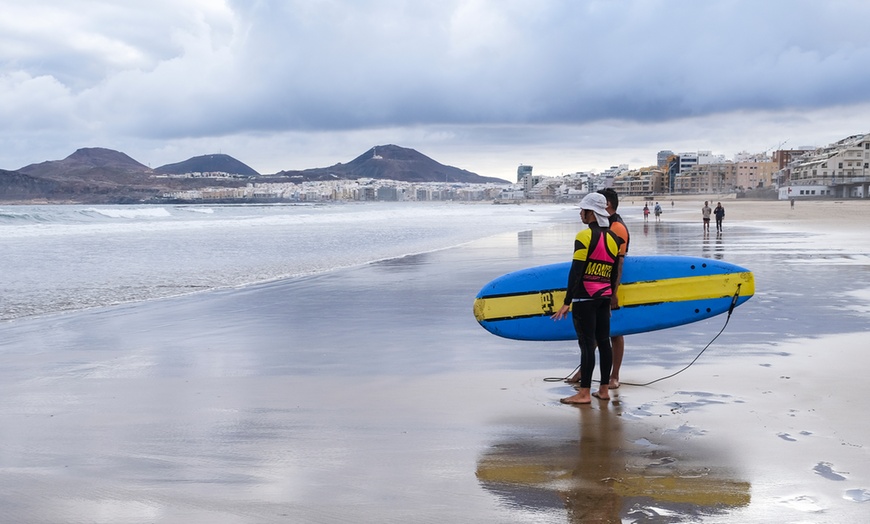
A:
x: 658, y: 212
x: 719, y: 212
x: 706, y: 211
x: 645, y: 212
x: 792, y: 203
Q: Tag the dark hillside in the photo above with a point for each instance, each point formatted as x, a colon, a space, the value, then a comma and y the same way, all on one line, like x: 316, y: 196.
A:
x: 18, y: 186
x: 88, y: 163
x: 218, y: 163
x: 391, y: 162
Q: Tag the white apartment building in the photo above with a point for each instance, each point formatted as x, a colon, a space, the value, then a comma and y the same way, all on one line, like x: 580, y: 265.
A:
x: 840, y: 170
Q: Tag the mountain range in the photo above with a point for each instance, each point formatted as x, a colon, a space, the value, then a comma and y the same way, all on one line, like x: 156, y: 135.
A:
x: 98, y: 175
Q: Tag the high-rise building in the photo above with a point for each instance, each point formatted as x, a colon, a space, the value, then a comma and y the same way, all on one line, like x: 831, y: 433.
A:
x: 662, y: 158
x: 522, y: 171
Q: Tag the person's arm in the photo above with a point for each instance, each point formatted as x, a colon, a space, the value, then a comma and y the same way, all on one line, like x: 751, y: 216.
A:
x: 616, y: 279
x: 621, y: 233
x: 578, y: 267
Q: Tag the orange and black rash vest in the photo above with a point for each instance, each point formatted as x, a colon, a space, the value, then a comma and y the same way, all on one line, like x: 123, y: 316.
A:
x: 593, y: 267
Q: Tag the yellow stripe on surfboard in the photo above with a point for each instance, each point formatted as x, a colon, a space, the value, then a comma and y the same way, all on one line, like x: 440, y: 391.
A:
x: 630, y: 294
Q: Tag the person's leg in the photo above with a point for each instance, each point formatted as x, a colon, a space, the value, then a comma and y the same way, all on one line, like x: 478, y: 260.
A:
x: 584, y: 319
x: 602, y: 337
x: 618, y: 346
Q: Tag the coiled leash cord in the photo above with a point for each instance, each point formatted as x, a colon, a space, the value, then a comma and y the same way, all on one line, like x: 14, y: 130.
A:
x: 727, y: 318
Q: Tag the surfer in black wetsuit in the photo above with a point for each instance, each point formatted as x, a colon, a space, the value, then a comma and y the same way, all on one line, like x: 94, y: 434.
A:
x: 591, y: 281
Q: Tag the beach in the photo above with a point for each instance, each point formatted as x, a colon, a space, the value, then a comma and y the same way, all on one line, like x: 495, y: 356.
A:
x: 368, y: 393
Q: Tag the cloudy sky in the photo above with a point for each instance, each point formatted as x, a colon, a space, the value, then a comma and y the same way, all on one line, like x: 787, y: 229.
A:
x: 485, y: 85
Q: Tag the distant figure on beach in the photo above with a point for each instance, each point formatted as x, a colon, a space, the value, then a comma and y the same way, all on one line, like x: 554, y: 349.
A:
x: 658, y: 212
x: 672, y: 203
x: 719, y: 212
x: 792, y: 203
x: 591, y: 281
x: 645, y: 212
x: 705, y: 215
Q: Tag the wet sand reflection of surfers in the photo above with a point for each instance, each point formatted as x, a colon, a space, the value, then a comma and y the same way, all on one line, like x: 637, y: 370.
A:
x: 600, y: 464
x: 607, y: 475
x: 577, y: 475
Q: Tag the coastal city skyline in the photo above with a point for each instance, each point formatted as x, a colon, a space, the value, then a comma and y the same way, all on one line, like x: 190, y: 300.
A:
x: 563, y: 86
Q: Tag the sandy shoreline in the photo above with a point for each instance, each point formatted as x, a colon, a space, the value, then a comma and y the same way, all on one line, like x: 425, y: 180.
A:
x: 778, y: 212
x: 371, y: 395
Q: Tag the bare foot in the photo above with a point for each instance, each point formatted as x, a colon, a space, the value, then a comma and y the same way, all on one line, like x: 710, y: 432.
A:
x: 601, y: 394
x: 575, y: 379
x: 582, y: 397
x: 614, y: 384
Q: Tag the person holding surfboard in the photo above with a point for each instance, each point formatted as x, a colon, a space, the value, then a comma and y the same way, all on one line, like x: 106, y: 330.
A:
x: 591, y: 281
x: 618, y: 227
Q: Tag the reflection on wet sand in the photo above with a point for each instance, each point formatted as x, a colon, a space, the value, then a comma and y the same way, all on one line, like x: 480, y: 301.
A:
x: 715, y: 244
x: 525, y: 244
x: 608, y: 476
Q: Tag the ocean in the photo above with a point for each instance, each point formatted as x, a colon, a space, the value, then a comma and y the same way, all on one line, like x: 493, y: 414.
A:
x: 71, y: 257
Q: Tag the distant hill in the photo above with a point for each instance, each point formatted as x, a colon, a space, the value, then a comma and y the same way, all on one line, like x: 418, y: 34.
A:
x: 390, y: 162
x: 97, y: 175
x: 88, y: 163
x: 218, y: 163
x: 93, y: 175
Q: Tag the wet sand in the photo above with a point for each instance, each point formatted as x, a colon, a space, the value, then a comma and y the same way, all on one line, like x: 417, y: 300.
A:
x: 371, y: 395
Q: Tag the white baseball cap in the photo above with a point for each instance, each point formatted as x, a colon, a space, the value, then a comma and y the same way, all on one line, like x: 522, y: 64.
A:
x: 598, y: 204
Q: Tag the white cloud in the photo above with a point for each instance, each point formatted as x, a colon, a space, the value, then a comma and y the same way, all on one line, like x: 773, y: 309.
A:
x: 477, y: 75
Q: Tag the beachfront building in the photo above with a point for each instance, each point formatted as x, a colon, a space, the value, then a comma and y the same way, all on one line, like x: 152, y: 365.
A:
x: 556, y: 188
x: 529, y: 182
x: 784, y: 159
x: 641, y: 182
x: 756, y: 171
x: 607, y: 178
x: 719, y: 177
x: 671, y: 168
x: 839, y: 170
x: 687, y: 161
x: 613, y: 171
x: 695, y: 172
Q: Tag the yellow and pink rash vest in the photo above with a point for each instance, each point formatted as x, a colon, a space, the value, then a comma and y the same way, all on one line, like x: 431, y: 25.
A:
x: 593, y: 269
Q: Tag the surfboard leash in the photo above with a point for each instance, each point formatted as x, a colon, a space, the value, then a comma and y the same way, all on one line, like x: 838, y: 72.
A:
x: 734, y: 299
x: 562, y: 379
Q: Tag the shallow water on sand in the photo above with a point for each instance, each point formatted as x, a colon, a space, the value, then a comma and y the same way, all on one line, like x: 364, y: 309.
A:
x: 370, y: 394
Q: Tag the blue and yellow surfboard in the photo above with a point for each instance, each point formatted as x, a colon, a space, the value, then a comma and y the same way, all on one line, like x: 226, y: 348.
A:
x: 657, y: 292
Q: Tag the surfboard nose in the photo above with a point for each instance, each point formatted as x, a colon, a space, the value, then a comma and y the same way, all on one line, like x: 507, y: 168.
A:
x: 479, y: 305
